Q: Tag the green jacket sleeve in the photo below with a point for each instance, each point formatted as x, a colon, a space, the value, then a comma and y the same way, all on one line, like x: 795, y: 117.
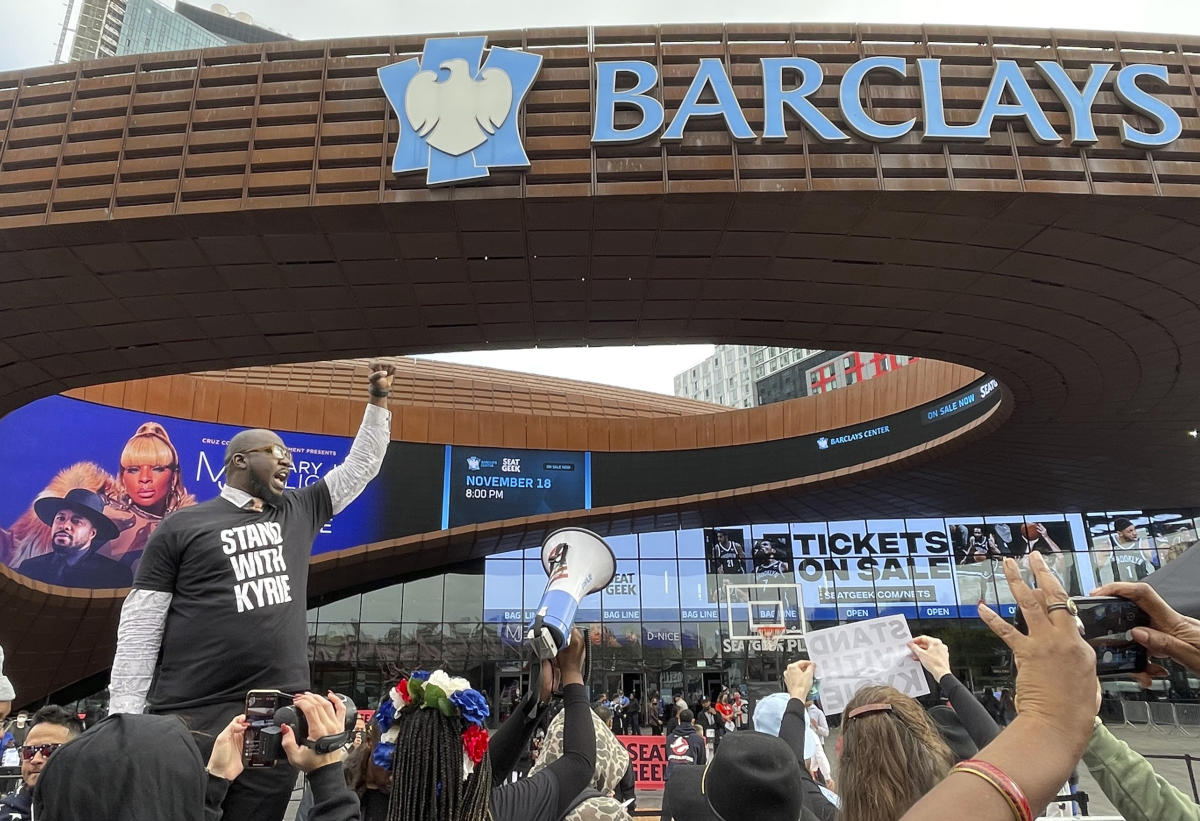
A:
x: 1131, y: 784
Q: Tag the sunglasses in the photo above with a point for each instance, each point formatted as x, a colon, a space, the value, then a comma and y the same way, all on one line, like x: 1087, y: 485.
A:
x: 277, y: 451
x: 28, y: 751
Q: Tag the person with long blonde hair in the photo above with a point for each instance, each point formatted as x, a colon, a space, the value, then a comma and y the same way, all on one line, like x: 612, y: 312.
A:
x: 149, y: 486
x: 891, y: 755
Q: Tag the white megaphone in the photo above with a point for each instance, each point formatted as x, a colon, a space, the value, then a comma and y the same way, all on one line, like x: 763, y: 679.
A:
x: 577, y: 562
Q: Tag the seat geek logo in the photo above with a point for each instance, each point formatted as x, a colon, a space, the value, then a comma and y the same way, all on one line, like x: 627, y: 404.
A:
x: 457, y: 112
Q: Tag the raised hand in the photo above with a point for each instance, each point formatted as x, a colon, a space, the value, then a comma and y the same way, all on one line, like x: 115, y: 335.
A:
x: 225, y: 761
x: 933, y: 654
x: 1056, y: 668
x: 380, y: 380
x: 798, y: 678
x: 325, y: 716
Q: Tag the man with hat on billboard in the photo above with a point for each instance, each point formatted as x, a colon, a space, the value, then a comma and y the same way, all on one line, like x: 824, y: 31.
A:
x: 78, y: 528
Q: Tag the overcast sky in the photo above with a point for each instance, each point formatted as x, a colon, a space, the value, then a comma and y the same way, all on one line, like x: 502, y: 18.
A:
x: 29, y: 31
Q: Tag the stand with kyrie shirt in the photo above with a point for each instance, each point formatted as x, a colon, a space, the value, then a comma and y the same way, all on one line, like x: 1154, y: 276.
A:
x: 221, y: 594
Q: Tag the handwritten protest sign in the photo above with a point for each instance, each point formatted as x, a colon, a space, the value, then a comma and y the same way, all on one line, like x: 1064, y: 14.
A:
x: 851, y: 656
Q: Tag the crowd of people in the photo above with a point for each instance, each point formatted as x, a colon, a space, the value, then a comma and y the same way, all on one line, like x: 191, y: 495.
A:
x: 217, y: 609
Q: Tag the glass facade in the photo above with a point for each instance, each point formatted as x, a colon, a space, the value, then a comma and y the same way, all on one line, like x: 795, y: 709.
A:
x: 679, y: 614
x: 151, y: 27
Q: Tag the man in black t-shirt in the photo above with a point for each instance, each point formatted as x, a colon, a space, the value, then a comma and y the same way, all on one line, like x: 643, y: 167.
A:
x: 221, y: 593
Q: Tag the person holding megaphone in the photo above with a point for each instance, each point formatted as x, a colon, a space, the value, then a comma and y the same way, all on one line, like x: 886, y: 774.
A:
x: 433, y: 736
x: 445, y: 768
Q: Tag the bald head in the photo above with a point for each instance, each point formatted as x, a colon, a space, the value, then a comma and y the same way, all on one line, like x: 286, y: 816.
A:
x: 245, y: 440
x: 257, y: 462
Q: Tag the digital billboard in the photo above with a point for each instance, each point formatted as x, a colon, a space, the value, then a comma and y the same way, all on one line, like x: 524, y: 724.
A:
x: 139, y: 467
x: 131, y: 469
x: 923, y: 568
x: 488, y: 484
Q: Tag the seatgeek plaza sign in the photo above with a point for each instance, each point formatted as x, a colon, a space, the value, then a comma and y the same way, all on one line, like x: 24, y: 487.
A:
x: 458, y: 111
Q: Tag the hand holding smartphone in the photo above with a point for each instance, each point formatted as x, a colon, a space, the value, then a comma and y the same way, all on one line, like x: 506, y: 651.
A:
x: 1106, y: 623
x: 262, y: 746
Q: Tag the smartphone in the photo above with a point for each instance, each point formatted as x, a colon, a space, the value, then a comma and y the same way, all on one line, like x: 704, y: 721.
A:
x: 1106, y: 623
x: 259, y: 749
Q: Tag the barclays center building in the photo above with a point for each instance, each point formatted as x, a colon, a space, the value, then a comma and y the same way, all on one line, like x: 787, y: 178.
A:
x: 201, y: 241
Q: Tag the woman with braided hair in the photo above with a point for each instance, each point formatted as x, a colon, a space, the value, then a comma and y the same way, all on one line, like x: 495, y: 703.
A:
x: 444, y: 767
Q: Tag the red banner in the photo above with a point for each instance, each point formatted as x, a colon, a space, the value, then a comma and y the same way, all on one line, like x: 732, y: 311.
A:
x: 649, y: 756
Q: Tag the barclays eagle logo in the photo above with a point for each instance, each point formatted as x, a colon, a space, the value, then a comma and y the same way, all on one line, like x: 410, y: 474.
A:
x: 472, y: 463
x: 457, y: 118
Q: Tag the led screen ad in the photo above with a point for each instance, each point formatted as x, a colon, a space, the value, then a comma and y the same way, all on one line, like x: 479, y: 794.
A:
x: 488, y: 484
x: 923, y: 568
x: 118, y: 473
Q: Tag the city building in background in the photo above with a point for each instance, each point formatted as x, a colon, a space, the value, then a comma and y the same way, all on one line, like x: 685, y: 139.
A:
x: 108, y: 28
x: 745, y: 376
x: 824, y: 371
x: 728, y: 376
x: 98, y: 30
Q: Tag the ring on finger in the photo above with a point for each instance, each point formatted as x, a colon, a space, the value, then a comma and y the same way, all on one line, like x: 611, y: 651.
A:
x: 1067, y: 605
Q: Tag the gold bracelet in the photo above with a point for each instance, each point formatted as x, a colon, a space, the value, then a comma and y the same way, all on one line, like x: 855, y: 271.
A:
x: 1008, y: 799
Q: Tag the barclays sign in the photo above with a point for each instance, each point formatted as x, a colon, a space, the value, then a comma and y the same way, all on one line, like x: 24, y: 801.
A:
x: 458, y: 113
x: 788, y: 82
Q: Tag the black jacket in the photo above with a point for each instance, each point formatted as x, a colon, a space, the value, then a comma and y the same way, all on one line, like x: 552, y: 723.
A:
x: 547, y: 795
x: 626, y: 789
x: 969, y: 727
x: 685, y: 746
x: 152, y: 770
x: 92, y: 570
x: 706, y: 721
x: 15, y: 806
x: 792, y: 730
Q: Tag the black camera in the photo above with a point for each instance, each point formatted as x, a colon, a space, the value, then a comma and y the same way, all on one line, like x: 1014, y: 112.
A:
x: 267, y: 711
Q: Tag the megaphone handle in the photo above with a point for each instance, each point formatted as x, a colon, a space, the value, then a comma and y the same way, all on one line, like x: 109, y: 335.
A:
x: 586, y: 632
x: 536, y: 633
x: 535, y: 687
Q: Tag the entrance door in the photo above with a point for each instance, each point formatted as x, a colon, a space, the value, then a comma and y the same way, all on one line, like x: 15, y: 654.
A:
x: 509, y: 689
x: 713, y: 684
x: 632, y: 684
x: 613, y: 682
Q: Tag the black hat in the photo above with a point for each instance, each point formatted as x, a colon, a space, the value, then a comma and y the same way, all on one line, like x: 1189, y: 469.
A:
x: 151, y: 769
x: 753, y: 775
x: 682, y: 794
x: 84, y: 502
